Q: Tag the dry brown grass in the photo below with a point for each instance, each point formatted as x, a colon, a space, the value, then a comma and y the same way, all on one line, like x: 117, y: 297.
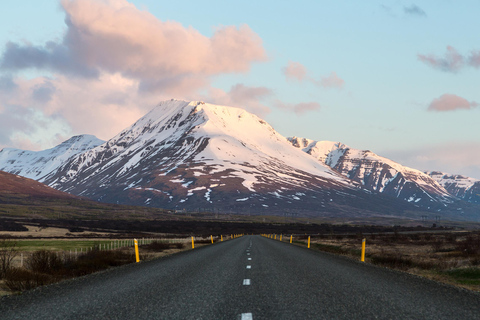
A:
x: 44, y: 232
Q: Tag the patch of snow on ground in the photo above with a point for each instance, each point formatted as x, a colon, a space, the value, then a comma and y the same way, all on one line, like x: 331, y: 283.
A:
x: 207, y: 195
x: 185, y: 185
x: 177, y: 180
x: 243, y: 199
x: 197, y: 188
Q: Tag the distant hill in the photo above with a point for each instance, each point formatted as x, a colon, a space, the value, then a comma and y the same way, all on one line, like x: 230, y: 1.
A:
x: 14, y: 186
x: 23, y: 197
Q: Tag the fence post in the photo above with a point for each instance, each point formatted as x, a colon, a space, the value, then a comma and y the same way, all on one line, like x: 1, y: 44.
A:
x: 137, y: 257
x: 363, y: 250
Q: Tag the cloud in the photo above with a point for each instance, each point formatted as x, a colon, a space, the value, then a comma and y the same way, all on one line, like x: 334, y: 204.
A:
x: 298, y: 108
x: 414, y: 10
x: 114, y: 36
x: 474, y: 59
x: 332, y: 81
x: 451, y: 62
x: 450, y: 102
x: 28, y: 128
x: 245, y: 97
x: 454, y: 157
x: 297, y: 71
x: 113, y: 64
x: 7, y: 84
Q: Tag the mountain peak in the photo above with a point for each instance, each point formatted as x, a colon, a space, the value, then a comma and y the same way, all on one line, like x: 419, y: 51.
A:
x: 36, y: 164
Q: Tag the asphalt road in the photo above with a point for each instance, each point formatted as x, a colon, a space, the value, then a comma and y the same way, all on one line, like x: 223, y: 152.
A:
x: 215, y: 282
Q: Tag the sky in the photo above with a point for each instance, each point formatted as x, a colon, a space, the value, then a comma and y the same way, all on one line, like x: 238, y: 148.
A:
x: 399, y: 78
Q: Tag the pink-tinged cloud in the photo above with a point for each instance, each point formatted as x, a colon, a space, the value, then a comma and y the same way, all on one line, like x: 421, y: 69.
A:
x: 241, y: 96
x: 113, y: 64
x: 295, y: 71
x: 114, y: 36
x: 451, y: 102
x: 451, y: 62
x: 298, y: 108
x: 332, y: 81
x: 474, y: 59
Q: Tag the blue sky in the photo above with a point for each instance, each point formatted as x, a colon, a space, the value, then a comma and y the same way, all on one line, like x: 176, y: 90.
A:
x: 398, y: 78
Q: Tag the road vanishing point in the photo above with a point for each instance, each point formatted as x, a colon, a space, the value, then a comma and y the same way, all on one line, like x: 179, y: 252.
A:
x: 250, y: 277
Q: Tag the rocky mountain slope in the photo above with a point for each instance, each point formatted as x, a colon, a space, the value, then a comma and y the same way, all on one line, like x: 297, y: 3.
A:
x: 463, y: 187
x: 376, y: 173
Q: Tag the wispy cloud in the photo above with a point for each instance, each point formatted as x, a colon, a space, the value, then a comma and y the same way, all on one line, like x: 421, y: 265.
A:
x: 454, y: 157
x: 298, y: 72
x: 298, y: 108
x: 474, y: 59
x: 332, y: 81
x: 414, y: 10
x: 451, y: 102
x: 451, y: 62
x: 245, y: 97
x: 295, y: 71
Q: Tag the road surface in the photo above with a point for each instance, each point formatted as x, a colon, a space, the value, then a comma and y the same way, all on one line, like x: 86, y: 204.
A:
x: 246, y: 278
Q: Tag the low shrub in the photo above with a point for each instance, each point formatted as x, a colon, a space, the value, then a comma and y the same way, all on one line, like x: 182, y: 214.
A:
x: 393, y: 261
x: 160, y: 246
x: 19, y: 279
x: 44, y: 261
x: 469, y: 246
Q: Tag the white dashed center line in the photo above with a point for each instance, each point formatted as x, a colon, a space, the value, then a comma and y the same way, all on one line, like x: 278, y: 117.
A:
x: 246, y: 316
x: 246, y: 282
x: 249, y: 259
x: 249, y: 267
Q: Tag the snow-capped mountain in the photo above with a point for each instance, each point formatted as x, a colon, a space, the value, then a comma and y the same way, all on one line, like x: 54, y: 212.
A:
x: 376, y: 173
x: 463, y: 187
x: 36, y: 164
x: 196, y: 155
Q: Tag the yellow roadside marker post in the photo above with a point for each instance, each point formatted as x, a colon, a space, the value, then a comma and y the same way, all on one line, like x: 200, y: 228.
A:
x: 221, y: 237
x: 309, y: 242
x: 275, y: 238
x: 211, y: 238
x: 137, y: 256
x: 291, y: 238
x: 280, y: 237
x: 363, y: 250
x: 193, y: 245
